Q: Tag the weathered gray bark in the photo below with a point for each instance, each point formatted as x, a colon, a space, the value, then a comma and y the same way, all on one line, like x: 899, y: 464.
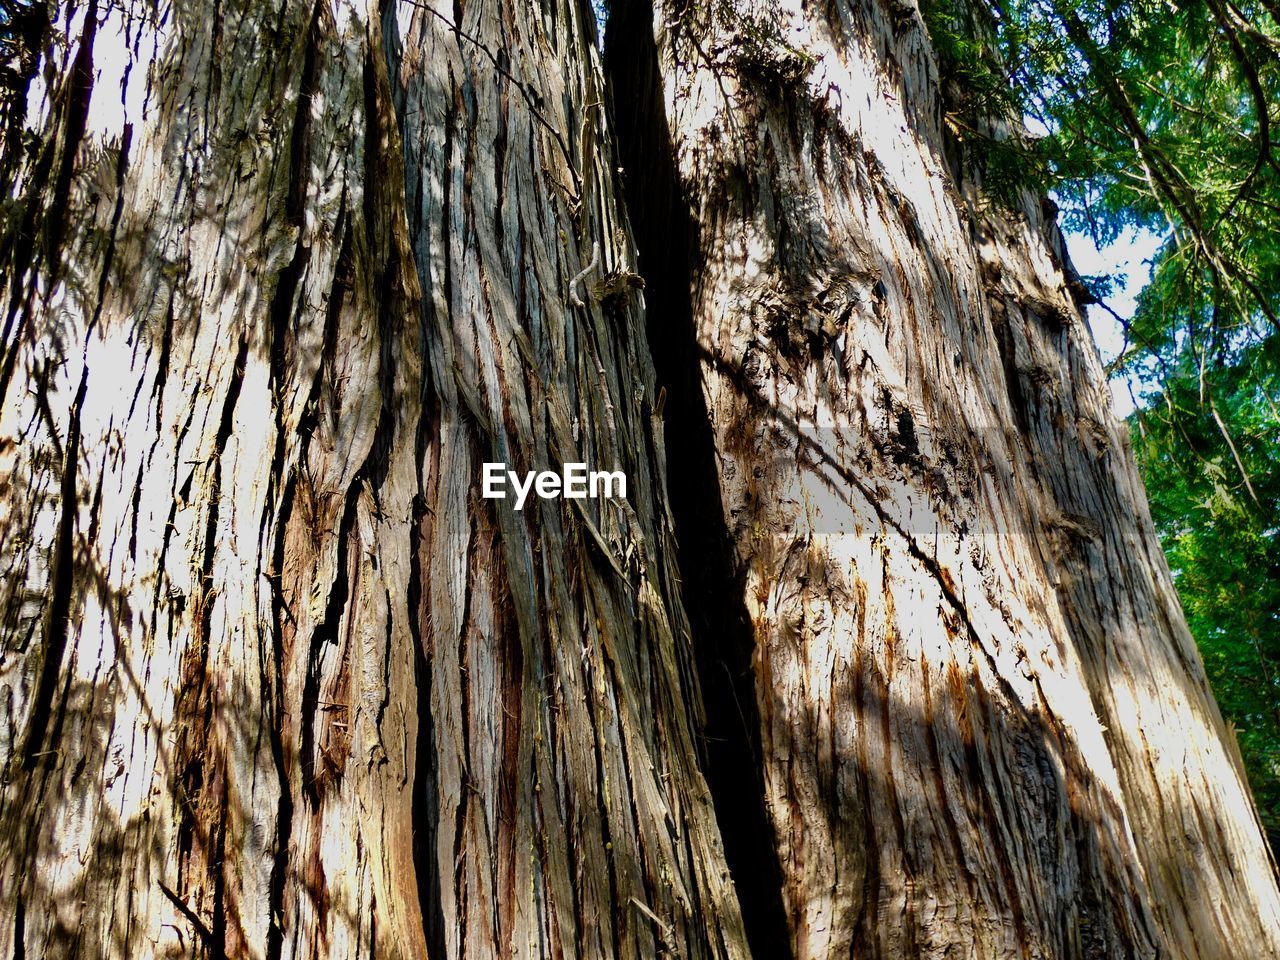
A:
x: 984, y: 728
x: 276, y: 681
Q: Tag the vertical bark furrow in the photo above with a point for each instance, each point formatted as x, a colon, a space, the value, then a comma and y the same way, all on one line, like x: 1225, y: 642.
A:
x: 710, y: 580
x: 273, y: 695
x: 79, y: 88
x: 61, y: 578
x: 200, y: 779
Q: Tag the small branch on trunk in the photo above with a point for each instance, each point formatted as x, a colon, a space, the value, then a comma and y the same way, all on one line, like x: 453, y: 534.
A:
x: 205, y: 934
x: 573, y: 284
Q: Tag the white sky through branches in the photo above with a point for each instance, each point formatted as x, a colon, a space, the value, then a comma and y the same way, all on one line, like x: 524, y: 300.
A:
x: 1128, y: 259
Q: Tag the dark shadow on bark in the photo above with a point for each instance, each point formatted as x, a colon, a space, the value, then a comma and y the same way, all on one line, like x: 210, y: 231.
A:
x: 723, y: 636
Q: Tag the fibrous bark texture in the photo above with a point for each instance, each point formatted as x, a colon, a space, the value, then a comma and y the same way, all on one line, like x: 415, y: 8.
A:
x: 572, y: 820
x: 983, y: 728
x: 206, y: 740
x: 277, y: 682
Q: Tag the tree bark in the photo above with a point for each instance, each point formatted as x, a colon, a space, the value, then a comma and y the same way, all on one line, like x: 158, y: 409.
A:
x: 984, y: 728
x: 571, y: 816
x: 278, y: 682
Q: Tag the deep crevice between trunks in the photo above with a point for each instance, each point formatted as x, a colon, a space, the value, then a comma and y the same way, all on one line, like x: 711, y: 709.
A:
x: 723, y: 636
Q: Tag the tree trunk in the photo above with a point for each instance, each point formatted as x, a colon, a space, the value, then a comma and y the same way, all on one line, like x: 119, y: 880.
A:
x: 983, y: 727
x: 278, y: 682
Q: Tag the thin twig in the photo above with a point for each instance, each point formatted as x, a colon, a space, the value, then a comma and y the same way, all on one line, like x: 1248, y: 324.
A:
x: 573, y: 284
x: 205, y: 933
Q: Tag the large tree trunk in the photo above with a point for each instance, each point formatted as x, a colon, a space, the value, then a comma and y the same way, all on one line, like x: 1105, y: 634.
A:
x: 984, y: 729
x: 277, y: 682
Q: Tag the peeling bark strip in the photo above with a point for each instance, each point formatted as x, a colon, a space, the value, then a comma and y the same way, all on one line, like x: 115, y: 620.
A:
x: 984, y: 726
